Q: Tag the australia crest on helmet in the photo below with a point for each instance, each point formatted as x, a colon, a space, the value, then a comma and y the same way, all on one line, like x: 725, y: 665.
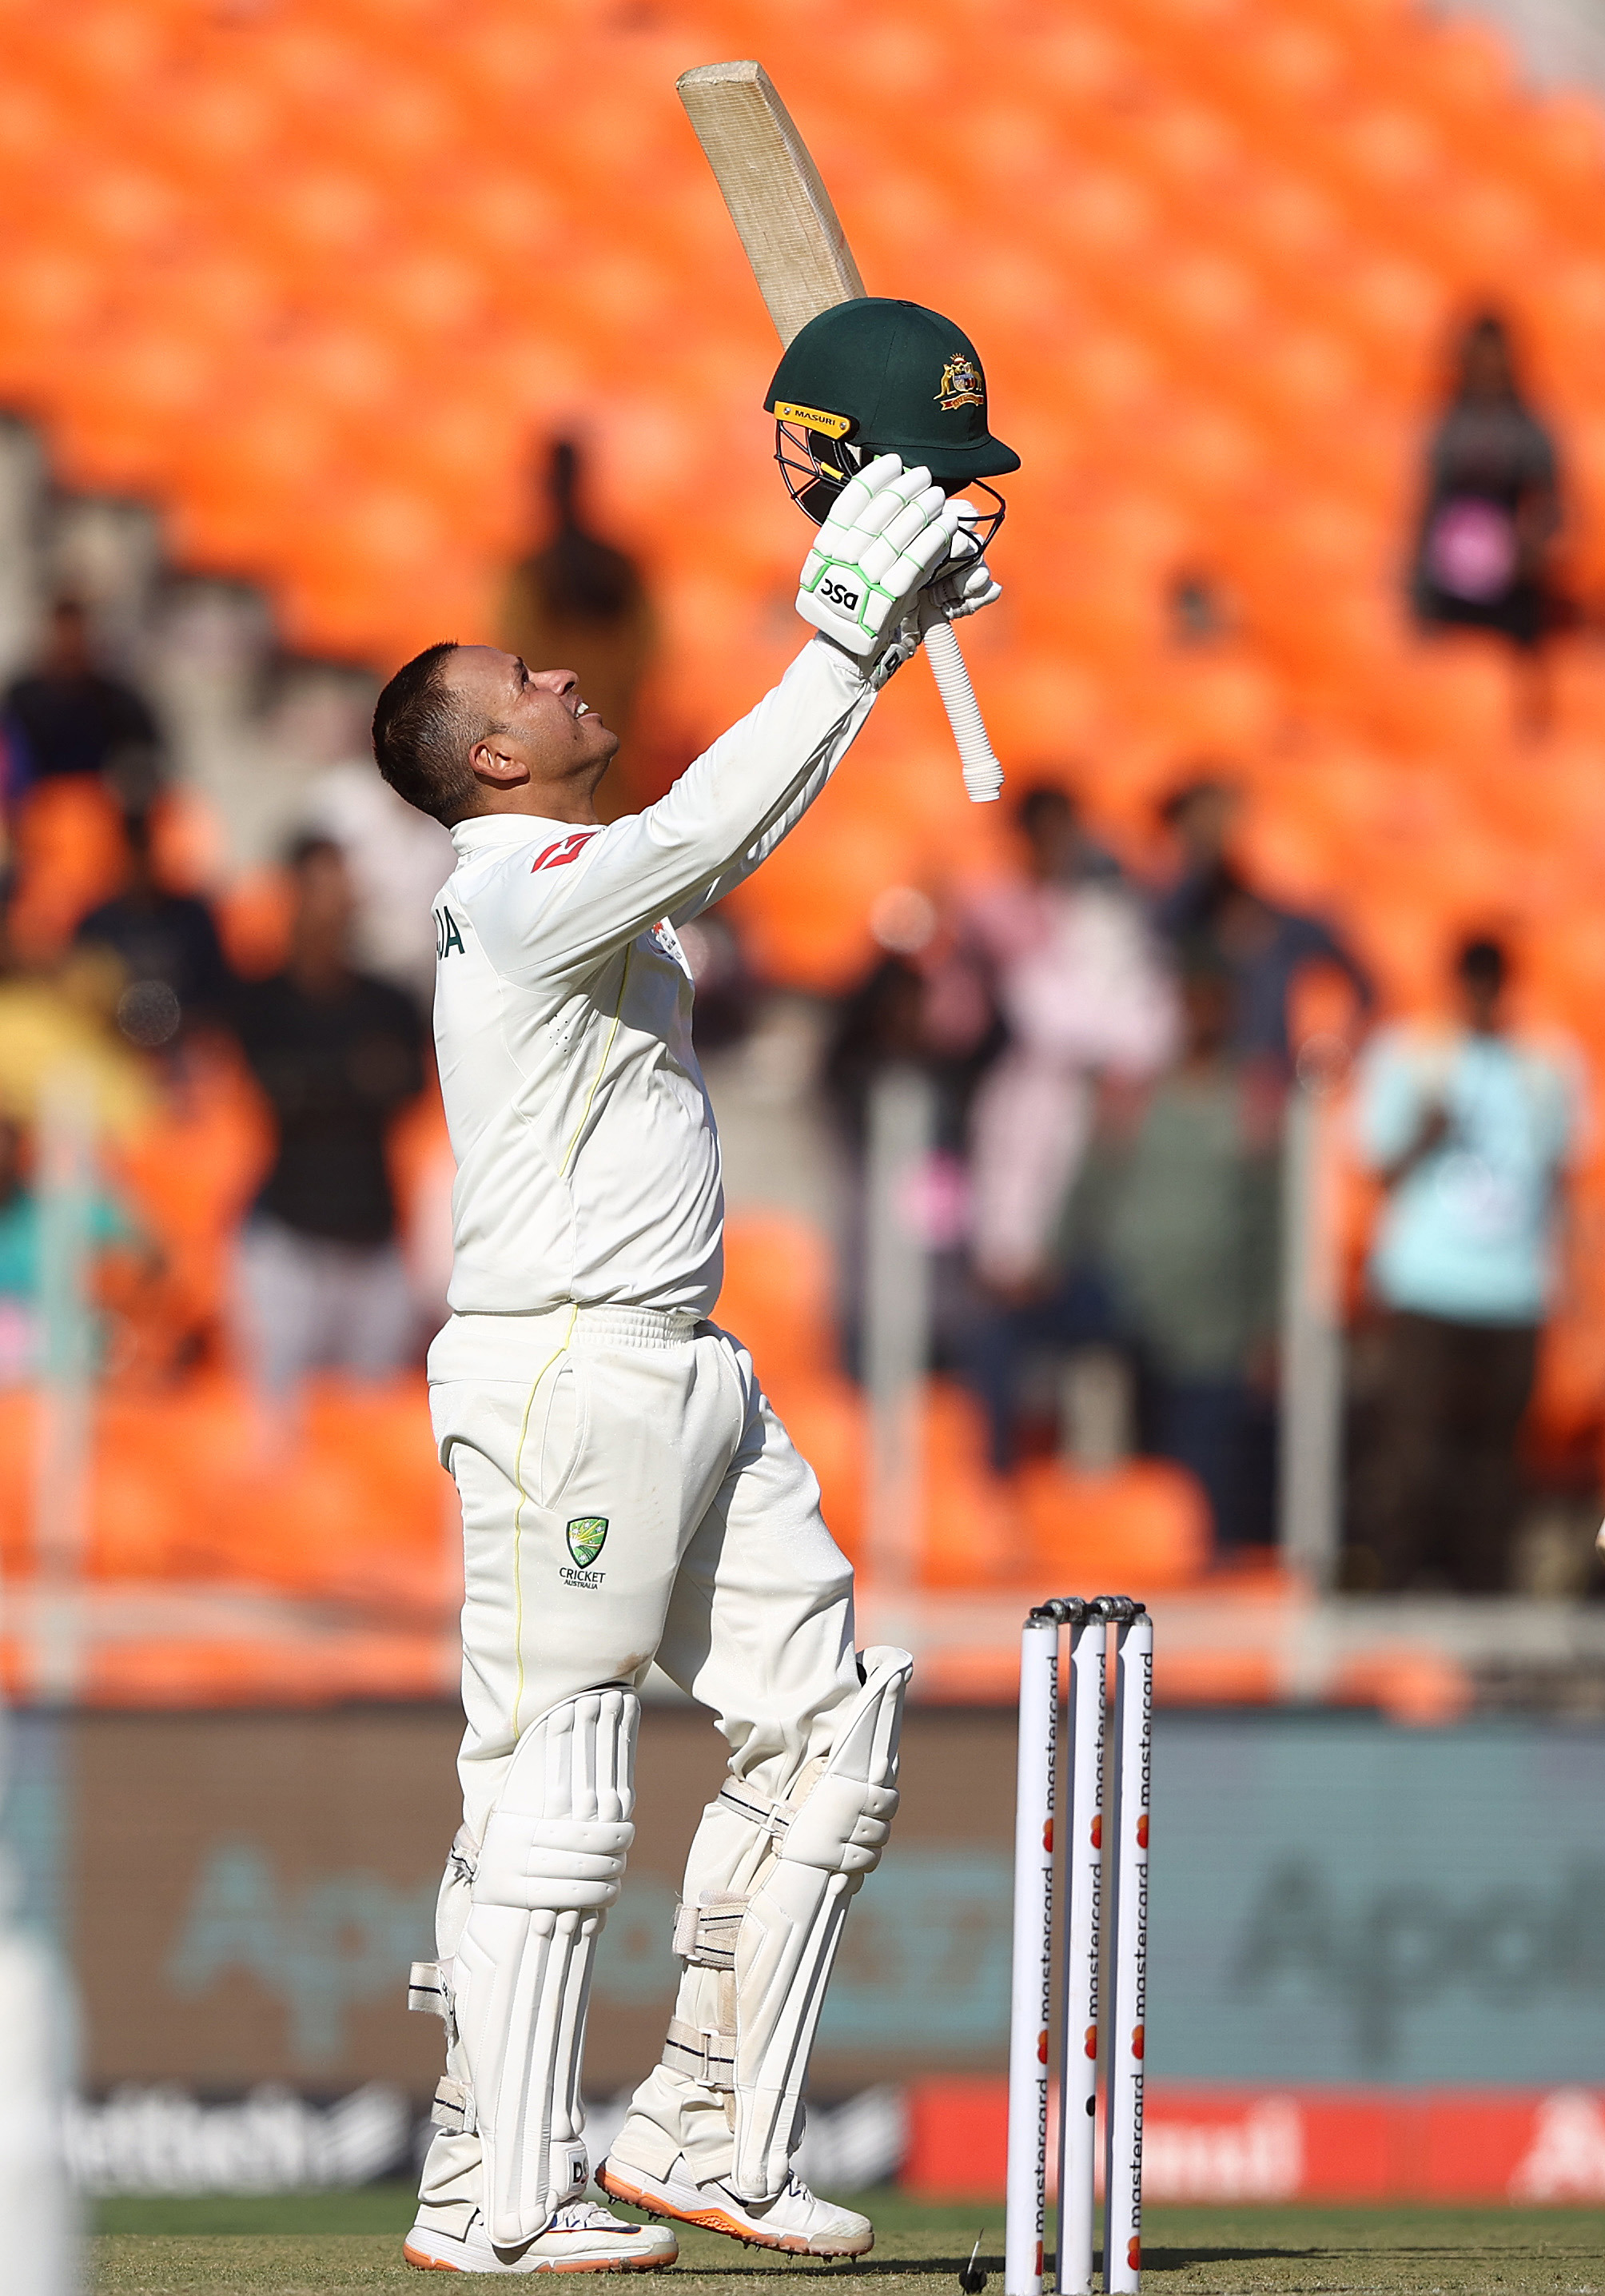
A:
x: 960, y: 384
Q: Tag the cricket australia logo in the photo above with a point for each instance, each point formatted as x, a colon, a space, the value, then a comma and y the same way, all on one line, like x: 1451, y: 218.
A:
x: 586, y: 1536
x: 961, y: 385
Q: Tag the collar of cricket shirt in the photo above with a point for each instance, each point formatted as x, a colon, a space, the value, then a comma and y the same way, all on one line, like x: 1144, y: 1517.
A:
x: 483, y: 831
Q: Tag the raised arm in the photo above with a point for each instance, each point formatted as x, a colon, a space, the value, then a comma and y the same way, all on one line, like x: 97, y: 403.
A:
x: 728, y: 808
x: 888, y: 532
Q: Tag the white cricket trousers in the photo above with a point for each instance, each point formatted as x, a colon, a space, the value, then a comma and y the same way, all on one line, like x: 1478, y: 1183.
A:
x: 714, y: 1561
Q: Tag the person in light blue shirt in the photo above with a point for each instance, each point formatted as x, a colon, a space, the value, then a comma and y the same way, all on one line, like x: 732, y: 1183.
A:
x: 1470, y: 1132
x: 22, y: 1256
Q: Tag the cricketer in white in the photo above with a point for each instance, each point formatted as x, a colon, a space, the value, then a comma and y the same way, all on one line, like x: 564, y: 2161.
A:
x: 627, y: 1492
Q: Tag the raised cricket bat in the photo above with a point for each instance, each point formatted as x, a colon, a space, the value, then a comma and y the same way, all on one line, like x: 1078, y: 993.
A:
x: 803, y: 265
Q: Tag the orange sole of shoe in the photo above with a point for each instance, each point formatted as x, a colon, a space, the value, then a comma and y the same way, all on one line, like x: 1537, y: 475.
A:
x: 422, y: 2263
x: 716, y: 2220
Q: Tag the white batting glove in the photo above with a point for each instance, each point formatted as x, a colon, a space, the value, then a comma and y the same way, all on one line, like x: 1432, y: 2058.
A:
x: 966, y: 585
x: 900, y: 644
x: 887, y: 530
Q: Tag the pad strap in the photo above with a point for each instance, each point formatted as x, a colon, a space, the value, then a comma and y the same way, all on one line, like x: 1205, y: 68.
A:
x: 429, y: 1988
x: 707, y: 2058
x: 452, y: 2114
x: 759, y: 1809
x: 706, y: 1933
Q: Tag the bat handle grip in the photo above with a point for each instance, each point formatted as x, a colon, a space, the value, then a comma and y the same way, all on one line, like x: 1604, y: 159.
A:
x: 983, y: 776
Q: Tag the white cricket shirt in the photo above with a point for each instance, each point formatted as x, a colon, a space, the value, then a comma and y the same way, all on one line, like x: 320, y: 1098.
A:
x: 587, y: 1158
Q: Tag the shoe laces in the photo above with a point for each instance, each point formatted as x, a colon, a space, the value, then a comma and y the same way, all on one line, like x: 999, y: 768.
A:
x: 584, y: 2216
x: 793, y: 2189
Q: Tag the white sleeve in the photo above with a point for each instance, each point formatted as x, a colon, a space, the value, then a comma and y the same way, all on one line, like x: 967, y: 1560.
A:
x: 727, y: 811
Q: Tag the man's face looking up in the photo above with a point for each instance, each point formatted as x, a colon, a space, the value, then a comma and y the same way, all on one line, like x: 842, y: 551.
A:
x: 537, y: 732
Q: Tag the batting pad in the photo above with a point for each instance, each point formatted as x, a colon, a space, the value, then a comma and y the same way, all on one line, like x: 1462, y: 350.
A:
x: 550, y: 1865
x: 767, y: 1952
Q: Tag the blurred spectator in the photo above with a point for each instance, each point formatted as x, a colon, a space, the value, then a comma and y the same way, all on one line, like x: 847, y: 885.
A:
x: 1492, y: 500
x: 1197, y: 612
x: 1089, y: 1011
x: 1212, y: 904
x: 1469, y: 1133
x: 15, y: 778
x: 1082, y: 994
x: 22, y: 1255
x: 63, y: 1016
x: 338, y: 1054
x: 73, y: 718
x: 174, y: 971
x: 882, y: 1025
x: 726, y: 991
x: 579, y: 603
x: 397, y: 860
x: 1183, y: 1211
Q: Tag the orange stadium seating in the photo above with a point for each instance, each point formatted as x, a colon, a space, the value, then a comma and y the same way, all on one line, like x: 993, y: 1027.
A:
x: 312, y: 277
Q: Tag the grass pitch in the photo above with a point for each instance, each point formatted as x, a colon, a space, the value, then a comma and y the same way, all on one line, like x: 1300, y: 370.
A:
x: 350, y: 2244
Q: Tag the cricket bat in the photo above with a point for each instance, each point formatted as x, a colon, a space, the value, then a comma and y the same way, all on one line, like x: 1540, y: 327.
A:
x: 803, y: 265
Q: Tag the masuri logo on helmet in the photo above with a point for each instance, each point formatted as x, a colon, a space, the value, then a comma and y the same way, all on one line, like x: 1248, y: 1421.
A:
x: 813, y: 418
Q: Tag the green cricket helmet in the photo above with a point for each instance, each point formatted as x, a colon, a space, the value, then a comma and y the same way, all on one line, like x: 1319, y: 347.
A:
x: 876, y: 376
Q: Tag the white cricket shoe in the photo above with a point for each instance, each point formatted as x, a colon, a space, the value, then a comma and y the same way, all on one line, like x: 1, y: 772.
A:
x: 795, y: 2220
x: 580, y: 2238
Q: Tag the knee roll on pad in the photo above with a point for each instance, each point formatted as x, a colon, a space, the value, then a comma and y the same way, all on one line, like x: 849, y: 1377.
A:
x: 773, y: 1948
x: 550, y: 1864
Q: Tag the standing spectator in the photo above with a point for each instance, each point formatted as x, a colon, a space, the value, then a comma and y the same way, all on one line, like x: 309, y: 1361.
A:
x: 1083, y: 993
x: 338, y: 1055
x: 1493, y: 502
x: 1212, y: 904
x: 397, y: 859
x: 62, y: 1015
x: 75, y: 718
x: 167, y: 945
x: 16, y: 773
x: 1089, y: 1009
x: 1469, y: 1133
x: 581, y: 602
x: 1184, y: 1213
x: 22, y: 1256
x: 884, y: 1024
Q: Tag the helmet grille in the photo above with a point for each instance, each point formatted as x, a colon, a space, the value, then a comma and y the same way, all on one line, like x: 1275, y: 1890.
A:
x: 815, y: 467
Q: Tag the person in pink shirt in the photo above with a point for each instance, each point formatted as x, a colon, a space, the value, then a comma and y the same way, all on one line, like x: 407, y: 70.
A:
x: 1088, y: 1000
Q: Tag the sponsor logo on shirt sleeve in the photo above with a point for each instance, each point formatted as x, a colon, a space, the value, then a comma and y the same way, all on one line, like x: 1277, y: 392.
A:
x: 567, y: 848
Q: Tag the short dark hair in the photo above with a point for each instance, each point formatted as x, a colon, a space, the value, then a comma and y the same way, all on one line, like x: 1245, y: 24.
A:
x: 1204, y: 779
x: 1042, y: 802
x: 423, y: 737
x: 309, y: 845
x: 1483, y: 962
